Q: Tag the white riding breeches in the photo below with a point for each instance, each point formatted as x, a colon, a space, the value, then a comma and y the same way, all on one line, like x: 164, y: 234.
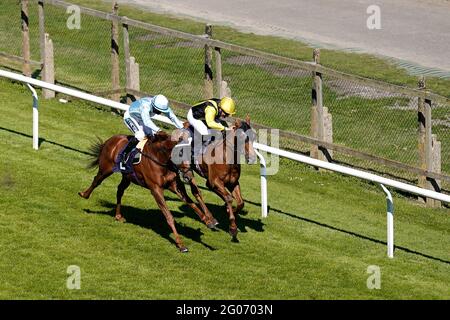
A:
x: 198, y: 125
x: 134, y: 126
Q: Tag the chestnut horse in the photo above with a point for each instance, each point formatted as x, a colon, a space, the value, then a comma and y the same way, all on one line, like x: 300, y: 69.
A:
x: 155, y: 172
x: 220, y: 165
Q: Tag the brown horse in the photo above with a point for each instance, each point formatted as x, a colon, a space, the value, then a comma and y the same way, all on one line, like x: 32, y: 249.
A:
x: 155, y: 172
x: 220, y: 165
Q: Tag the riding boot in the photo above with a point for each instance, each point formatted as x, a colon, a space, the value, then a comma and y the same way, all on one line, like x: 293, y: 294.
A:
x: 141, y: 144
x: 197, y: 147
x: 207, y: 141
x: 128, y: 149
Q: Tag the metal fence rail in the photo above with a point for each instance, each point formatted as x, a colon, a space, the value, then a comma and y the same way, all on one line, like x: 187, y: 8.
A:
x: 264, y: 148
x: 344, y: 119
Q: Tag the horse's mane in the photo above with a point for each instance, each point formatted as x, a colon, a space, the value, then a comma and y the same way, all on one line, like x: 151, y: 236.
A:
x: 163, y: 138
x: 160, y: 136
x: 244, y: 126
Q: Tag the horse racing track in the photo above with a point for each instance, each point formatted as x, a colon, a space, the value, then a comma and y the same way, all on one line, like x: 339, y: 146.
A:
x: 323, y: 239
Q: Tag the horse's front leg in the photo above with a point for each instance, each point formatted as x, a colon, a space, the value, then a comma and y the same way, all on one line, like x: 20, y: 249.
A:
x: 158, y: 194
x: 198, y: 195
x: 218, y: 187
x: 178, y: 188
x: 236, y: 192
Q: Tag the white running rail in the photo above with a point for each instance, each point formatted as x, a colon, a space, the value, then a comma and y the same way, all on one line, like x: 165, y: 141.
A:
x: 282, y: 153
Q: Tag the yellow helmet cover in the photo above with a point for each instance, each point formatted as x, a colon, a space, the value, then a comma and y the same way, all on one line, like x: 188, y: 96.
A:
x: 228, y: 105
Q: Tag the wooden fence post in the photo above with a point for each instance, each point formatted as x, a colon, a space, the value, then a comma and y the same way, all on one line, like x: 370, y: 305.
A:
x: 327, y: 133
x: 115, y: 71
x: 317, y: 107
x: 41, y: 15
x: 428, y: 146
x: 218, y: 55
x: 436, y: 167
x: 48, y: 74
x: 126, y: 50
x: 26, y: 69
x: 208, y: 86
x: 421, y: 134
x: 321, y: 125
x: 134, y: 76
x: 225, y: 89
x: 46, y: 52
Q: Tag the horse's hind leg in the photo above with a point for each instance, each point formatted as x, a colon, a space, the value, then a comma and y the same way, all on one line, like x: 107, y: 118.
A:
x: 98, y: 179
x: 124, y: 184
x: 158, y: 193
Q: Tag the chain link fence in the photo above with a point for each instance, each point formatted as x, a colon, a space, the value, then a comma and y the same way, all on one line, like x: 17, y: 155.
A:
x: 440, y: 114
x: 168, y: 65
x: 11, y: 35
x: 376, y: 122
x: 371, y: 120
x: 274, y: 95
x: 81, y: 54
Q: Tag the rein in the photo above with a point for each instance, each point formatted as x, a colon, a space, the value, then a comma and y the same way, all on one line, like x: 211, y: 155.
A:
x: 149, y: 156
x: 169, y: 164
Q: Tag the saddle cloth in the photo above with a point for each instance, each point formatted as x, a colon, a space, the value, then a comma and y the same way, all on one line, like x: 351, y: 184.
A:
x: 125, y: 161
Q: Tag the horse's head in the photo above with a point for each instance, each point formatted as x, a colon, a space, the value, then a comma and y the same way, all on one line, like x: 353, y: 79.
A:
x: 245, y: 133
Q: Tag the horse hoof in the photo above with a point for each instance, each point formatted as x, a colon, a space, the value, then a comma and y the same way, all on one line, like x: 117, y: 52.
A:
x: 121, y: 220
x: 83, y: 195
x: 212, y: 226
x: 234, y: 240
x: 215, y: 222
x: 187, y: 180
x: 184, y: 250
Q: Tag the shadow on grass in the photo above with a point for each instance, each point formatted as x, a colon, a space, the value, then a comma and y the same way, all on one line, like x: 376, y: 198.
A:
x: 351, y: 233
x: 43, y: 140
x: 153, y: 219
x: 221, y: 215
x: 156, y: 222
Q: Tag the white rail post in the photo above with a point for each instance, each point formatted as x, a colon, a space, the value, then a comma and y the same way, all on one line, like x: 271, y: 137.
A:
x: 263, y: 172
x: 390, y: 222
x: 35, y: 118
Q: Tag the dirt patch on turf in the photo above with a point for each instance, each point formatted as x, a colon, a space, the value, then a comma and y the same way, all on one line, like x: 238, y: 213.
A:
x: 149, y: 37
x: 413, y: 103
x: 180, y: 44
x: 289, y: 72
x: 346, y: 89
x: 7, y: 181
x: 442, y: 122
x: 176, y: 44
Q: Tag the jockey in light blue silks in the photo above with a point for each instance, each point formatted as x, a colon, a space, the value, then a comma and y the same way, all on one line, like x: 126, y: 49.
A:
x: 138, y: 117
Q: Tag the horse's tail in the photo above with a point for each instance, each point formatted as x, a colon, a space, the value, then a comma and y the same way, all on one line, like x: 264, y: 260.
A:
x: 95, y: 150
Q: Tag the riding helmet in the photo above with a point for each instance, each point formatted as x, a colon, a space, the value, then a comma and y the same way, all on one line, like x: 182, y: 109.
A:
x: 160, y: 103
x: 228, y: 105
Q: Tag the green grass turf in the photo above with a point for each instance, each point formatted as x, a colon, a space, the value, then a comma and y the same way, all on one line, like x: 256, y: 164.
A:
x: 273, y: 94
x: 323, y: 231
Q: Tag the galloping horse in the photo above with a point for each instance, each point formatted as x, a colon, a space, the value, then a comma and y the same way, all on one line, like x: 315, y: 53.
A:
x: 220, y: 165
x: 155, y: 172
